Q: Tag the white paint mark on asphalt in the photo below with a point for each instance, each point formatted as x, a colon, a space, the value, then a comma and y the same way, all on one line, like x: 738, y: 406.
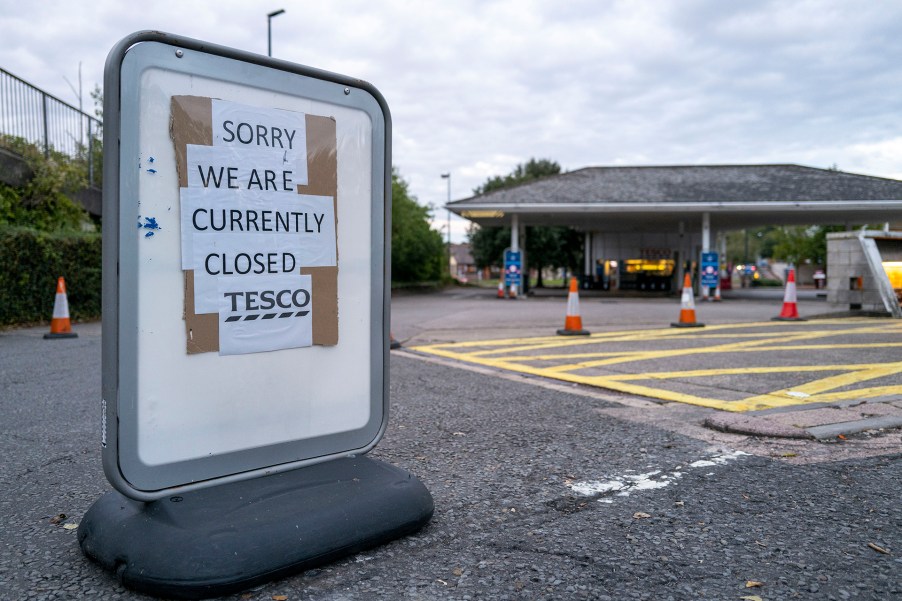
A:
x: 625, y: 484
x: 595, y: 487
x: 718, y: 459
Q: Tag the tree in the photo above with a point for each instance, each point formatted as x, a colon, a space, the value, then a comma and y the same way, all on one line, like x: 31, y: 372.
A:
x: 417, y: 250
x: 546, y: 246
x: 487, y: 244
x: 796, y: 244
x: 97, y: 96
x: 748, y: 245
x: 805, y: 243
x: 44, y: 202
x: 524, y: 172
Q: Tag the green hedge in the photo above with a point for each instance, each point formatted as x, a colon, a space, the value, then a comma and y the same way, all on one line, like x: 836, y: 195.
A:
x: 764, y: 283
x: 30, y: 263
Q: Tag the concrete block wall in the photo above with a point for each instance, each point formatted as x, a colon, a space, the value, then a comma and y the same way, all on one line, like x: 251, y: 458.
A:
x: 846, y: 262
x: 14, y: 171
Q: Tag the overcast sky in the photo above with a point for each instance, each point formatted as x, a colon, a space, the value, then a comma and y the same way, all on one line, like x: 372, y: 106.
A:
x: 477, y: 87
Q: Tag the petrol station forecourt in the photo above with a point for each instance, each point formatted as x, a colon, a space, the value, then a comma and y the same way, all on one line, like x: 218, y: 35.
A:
x: 518, y: 467
x: 245, y: 428
x: 663, y: 219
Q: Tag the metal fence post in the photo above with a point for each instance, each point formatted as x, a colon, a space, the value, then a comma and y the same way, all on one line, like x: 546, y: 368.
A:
x: 90, y: 156
x: 46, y: 132
x: 25, y: 113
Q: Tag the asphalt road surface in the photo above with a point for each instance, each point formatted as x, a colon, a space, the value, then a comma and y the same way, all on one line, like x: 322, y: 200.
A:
x: 543, y: 490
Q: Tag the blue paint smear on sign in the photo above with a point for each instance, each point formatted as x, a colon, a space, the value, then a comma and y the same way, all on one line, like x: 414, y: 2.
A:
x: 150, y: 223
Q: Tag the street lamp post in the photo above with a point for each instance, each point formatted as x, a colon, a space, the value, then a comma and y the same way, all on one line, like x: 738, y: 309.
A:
x: 269, y: 17
x: 447, y: 176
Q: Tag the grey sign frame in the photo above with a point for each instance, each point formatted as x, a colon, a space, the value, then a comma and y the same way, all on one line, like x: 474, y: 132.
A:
x: 121, y: 463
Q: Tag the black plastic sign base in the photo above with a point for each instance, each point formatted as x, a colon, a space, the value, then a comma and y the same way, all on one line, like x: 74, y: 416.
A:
x: 225, y: 539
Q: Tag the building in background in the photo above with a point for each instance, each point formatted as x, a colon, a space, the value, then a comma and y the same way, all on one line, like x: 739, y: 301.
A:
x: 644, y: 227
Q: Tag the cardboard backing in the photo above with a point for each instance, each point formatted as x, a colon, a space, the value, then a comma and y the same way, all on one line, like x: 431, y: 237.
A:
x: 191, y: 122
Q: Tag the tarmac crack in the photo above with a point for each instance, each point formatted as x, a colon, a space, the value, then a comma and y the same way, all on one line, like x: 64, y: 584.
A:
x: 67, y: 458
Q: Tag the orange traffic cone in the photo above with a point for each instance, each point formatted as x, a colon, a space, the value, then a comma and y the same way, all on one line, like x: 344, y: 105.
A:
x: 573, y: 323
x: 60, y: 327
x: 716, y: 298
x: 393, y: 344
x: 687, y: 307
x: 790, y: 310
x: 512, y: 292
x: 501, y: 289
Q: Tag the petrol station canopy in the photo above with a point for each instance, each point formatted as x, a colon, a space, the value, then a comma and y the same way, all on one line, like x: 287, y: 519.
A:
x: 660, y: 198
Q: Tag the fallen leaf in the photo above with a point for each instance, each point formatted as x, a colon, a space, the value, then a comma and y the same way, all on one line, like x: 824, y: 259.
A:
x: 751, y: 598
x: 789, y: 455
x: 442, y: 581
x: 457, y: 571
x: 70, y: 526
x: 878, y: 549
x: 247, y: 596
x: 280, y: 598
x: 58, y: 518
x: 639, y: 515
x: 840, y: 436
x: 753, y: 583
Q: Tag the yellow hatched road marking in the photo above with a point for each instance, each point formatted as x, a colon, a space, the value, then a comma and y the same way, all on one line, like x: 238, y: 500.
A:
x: 514, y: 355
x: 536, y: 343
x: 528, y: 344
x: 755, y: 345
x: 853, y: 375
x: 758, y: 349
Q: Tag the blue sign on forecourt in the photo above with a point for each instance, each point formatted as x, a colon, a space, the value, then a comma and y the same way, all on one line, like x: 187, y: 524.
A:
x: 513, y: 267
x: 709, y: 270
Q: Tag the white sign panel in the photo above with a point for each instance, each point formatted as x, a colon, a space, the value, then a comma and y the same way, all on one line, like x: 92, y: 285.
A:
x: 307, y: 222
x: 264, y: 313
x: 248, y: 333
x: 252, y: 127
x: 243, y: 169
x: 242, y: 218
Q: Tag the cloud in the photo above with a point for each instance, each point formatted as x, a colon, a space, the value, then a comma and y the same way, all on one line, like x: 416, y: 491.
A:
x: 476, y: 87
x: 879, y: 157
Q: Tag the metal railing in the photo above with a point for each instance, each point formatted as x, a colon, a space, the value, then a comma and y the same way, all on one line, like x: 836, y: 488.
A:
x: 37, y: 117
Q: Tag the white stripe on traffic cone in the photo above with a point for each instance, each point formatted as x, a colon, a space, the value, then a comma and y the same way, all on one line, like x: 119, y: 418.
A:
x: 573, y: 323
x: 60, y: 326
x: 790, y: 311
x: 687, y: 307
